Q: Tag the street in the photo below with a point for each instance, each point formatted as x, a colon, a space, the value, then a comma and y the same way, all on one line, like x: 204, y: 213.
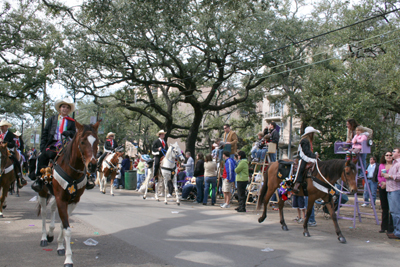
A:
x: 136, y: 232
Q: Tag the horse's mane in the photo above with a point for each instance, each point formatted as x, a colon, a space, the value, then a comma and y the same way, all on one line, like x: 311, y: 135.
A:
x: 68, y: 149
x: 332, y: 168
x: 169, y: 151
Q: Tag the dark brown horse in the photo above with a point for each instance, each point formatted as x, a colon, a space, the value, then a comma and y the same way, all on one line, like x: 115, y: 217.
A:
x: 70, y: 175
x: 332, y: 170
x: 7, y: 176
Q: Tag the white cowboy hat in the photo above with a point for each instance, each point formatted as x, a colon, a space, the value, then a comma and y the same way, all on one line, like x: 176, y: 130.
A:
x: 110, y: 133
x: 161, y: 132
x: 68, y: 101
x: 310, y: 129
x: 17, y: 133
x: 5, y: 123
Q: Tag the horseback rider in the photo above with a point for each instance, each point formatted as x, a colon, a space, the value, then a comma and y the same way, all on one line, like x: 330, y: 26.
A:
x: 56, y: 129
x: 305, y: 151
x: 159, y: 149
x: 9, y: 137
x: 109, y: 147
x: 19, y: 143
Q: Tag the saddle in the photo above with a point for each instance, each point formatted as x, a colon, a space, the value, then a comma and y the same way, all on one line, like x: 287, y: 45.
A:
x: 285, y: 169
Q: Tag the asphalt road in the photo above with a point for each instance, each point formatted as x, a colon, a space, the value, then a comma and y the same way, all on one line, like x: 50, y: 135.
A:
x: 136, y: 232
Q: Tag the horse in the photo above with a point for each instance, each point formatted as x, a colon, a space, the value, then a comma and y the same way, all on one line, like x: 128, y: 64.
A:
x: 67, y: 182
x: 145, y: 185
x: 169, y: 169
x: 21, y: 159
x: 7, y: 175
x: 332, y: 170
x: 109, y: 168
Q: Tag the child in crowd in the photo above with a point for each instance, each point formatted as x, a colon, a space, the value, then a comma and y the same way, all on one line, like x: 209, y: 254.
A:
x: 299, y: 203
x: 217, y: 150
x: 358, y: 138
x: 260, y: 149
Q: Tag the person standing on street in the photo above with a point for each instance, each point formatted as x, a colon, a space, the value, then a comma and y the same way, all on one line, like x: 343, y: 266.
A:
x: 189, y: 165
x: 385, y: 164
x: 242, y: 179
x: 228, y: 178
x: 372, y: 175
x: 393, y: 189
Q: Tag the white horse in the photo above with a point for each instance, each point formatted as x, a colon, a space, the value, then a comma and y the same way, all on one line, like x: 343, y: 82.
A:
x: 109, y: 167
x: 169, y: 170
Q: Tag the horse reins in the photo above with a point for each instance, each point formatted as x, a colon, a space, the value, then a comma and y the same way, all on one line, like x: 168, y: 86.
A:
x: 334, y: 187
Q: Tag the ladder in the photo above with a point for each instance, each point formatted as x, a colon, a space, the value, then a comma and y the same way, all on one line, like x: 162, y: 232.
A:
x: 360, y: 166
x: 254, y: 187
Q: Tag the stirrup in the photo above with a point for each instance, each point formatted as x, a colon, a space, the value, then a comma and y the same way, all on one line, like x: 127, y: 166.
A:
x: 89, y: 185
x: 37, y: 186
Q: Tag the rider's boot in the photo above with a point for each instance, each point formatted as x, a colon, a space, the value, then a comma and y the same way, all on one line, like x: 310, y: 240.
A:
x: 89, y: 183
x: 21, y: 181
x: 37, y: 186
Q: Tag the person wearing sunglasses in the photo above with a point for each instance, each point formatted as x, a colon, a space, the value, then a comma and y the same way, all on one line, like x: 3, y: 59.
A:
x: 393, y: 192
x: 386, y: 163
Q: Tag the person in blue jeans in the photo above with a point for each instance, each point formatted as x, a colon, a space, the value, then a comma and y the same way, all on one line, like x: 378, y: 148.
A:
x: 311, y: 220
x: 210, y: 174
x: 372, y: 178
x: 199, y: 174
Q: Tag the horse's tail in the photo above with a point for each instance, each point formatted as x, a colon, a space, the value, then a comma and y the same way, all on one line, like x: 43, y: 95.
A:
x: 39, y: 207
x: 264, y: 190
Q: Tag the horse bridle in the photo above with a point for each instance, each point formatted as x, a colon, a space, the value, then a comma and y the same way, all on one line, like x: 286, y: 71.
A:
x: 83, y: 160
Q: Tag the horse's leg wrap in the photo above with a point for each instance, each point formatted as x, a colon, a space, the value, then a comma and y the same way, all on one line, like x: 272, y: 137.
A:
x: 60, y: 241
x: 53, y: 207
x: 43, y: 211
x: 176, y: 190
x: 68, y: 251
x: 281, y: 204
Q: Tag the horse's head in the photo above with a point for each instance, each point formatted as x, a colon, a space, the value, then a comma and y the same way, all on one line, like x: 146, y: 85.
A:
x: 117, y: 158
x: 177, y: 152
x: 349, y: 176
x: 87, y: 143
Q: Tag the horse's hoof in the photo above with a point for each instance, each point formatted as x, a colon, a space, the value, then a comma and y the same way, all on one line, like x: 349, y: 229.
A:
x: 342, y: 239
x: 306, y: 234
x: 43, y: 243
x: 112, y: 194
x: 144, y: 197
x: 103, y: 193
x: 50, y: 238
x: 261, y: 219
x: 61, y: 252
x: 178, y: 204
x: 284, y: 228
x: 166, y: 203
x: 68, y: 265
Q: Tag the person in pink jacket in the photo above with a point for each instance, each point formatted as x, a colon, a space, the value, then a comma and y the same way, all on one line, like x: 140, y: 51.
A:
x: 385, y: 164
x: 357, y: 139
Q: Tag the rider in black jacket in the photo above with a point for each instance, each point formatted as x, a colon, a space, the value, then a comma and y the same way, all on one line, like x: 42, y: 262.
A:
x: 9, y: 137
x: 306, y: 154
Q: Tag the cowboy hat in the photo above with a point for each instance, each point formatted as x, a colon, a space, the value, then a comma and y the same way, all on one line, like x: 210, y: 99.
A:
x: 309, y: 130
x: 17, y: 133
x: 5, y: 123
x: 110, y: 133
x: 161, y: 132
x: 66, y: 101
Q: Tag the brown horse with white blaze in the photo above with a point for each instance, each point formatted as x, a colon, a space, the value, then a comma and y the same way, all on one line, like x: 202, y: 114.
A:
x: 7, y: 175
x: 331, y: 170
x: 71, y: 168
